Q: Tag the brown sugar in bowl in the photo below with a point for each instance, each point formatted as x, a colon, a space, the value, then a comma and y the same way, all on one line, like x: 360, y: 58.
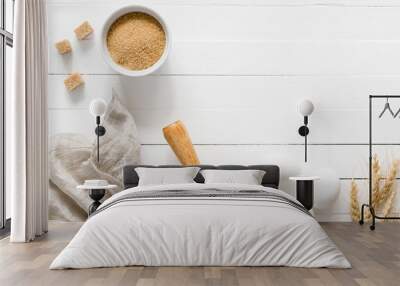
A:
x: 135, y: 41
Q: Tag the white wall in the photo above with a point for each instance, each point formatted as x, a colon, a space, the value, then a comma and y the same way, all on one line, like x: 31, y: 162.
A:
x: 235, y: 75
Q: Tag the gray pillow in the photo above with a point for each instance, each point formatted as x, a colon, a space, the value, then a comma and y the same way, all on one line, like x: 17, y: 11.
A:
x: 166, y: 176
x: 248, y: 177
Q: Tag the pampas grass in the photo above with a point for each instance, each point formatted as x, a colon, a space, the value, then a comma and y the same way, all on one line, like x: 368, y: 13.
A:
x: 387, y: 189
x: 354, y: 204
x: 376, y: 179
x: 387, y: 208
x: 382, y: 196
x: 388, y: 193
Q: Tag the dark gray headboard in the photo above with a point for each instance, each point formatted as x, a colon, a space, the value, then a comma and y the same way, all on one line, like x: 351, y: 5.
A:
x: 271, y: 177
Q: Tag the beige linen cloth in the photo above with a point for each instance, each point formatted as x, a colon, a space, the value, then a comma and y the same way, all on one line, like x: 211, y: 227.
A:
x: 73, y: 159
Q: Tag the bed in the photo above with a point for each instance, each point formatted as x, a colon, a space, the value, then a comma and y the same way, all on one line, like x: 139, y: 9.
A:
x: 198, y: 224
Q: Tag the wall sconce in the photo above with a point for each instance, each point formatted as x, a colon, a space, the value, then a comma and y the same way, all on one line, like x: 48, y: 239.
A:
x: 306, y: 107
x: 97, y: 108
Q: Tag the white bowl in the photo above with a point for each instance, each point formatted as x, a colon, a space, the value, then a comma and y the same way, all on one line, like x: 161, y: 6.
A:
x: 111, y: 19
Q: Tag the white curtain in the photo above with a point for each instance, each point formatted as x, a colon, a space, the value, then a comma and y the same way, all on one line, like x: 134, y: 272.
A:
x: 27, y: 122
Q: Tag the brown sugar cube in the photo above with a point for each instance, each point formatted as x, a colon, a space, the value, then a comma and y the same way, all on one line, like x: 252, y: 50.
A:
x: 63, y: 47
x: 83, y: 30
x: 73, y: 81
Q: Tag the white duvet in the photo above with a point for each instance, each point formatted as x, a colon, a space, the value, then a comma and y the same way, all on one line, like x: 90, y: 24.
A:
x: 200, y: 231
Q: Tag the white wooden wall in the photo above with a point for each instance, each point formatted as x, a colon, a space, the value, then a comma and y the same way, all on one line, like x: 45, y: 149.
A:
x: 235, y: 74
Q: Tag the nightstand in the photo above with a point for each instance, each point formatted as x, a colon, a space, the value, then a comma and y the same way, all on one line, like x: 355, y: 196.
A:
x: 305, y: 190
x: 96, y: 193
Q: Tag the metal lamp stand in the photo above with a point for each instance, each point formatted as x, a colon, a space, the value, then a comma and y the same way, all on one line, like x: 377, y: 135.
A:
x: 100, y: 131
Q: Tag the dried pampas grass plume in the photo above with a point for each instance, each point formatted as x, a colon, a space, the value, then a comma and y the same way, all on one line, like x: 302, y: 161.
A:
x: 376, y: 177
x: 387, y: 208
x: 354, y: 204
x: 382, y: 196
x: 389, y: 183
x: 388, y: 191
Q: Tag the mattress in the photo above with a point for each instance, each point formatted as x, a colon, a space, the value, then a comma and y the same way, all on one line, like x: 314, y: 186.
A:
x: 201, y: 225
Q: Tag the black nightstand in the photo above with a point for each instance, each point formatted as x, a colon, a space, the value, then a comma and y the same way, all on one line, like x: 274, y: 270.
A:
x: 305, y: 190
x: 96, y: 194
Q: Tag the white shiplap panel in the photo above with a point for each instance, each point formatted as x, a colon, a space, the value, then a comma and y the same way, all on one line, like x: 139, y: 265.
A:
x: 235, y: 75
x: 253, y: 58
x: 226, y: 92
x: 242, y: 126
x: 245, y: 126
x: 246, y: 22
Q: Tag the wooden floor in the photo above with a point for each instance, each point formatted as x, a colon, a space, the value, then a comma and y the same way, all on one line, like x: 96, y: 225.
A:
x: 375, y: 257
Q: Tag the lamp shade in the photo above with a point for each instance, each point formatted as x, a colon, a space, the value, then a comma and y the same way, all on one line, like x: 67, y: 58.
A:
x: 306, y: 107
x: 97, y: 107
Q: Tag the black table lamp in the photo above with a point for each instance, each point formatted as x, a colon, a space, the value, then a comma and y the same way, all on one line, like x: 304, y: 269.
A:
x: 97, y: 109
x: 306, y: 107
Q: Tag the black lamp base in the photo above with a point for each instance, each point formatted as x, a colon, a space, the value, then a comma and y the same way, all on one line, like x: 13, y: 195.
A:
x: 96, y: 195
x: 100, y: 130
x: 304, y: 131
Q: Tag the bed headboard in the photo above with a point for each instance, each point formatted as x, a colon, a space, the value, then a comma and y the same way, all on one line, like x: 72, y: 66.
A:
x: 270, y: 179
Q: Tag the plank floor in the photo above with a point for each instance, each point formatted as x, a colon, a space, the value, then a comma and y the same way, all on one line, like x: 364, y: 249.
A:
x: 375, y: 257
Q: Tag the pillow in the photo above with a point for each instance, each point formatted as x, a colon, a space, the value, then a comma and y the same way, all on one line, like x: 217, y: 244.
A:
x: 248, y: 177
x: 165, y: 176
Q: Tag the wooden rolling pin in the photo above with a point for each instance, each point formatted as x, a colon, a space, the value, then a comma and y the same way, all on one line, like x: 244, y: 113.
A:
x: 178, y: 138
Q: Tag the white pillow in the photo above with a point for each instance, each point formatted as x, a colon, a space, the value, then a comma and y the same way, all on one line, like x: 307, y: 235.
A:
x: 165, y: 176
x: 248, y: 177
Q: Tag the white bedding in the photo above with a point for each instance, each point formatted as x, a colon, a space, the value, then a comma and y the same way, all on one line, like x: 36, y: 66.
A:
x: 200, y: 231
